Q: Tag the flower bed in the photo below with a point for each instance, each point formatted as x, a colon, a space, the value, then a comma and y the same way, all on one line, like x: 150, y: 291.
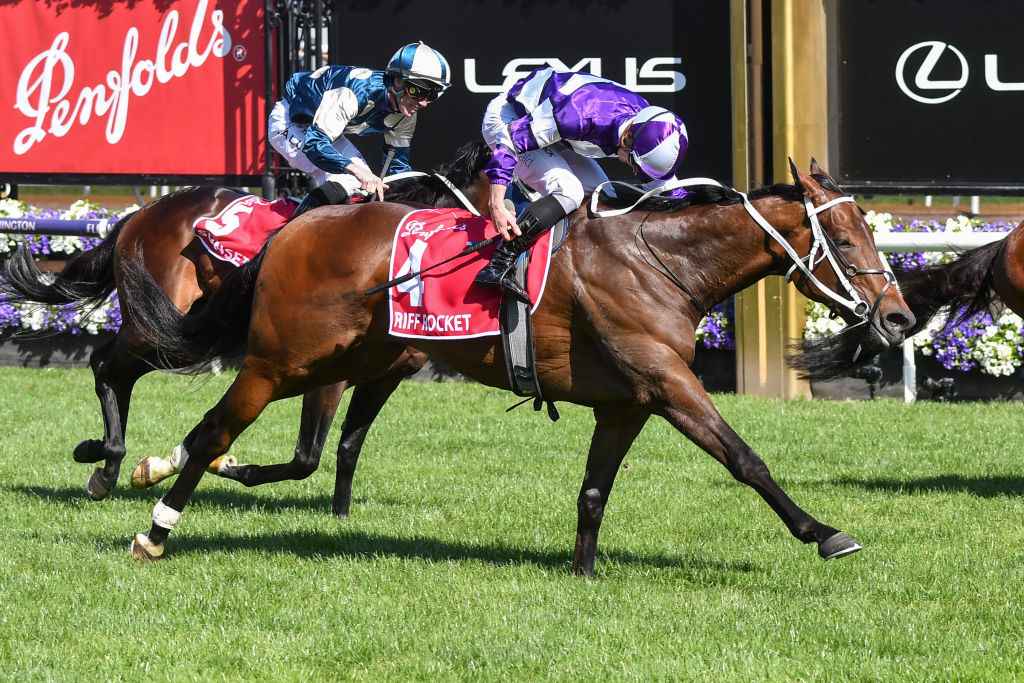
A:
x: 985, y: 344
x: 63, y: 319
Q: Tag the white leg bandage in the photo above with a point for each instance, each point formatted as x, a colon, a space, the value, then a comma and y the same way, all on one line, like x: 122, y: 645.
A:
x: 179, y: 456
x: 165, y: 516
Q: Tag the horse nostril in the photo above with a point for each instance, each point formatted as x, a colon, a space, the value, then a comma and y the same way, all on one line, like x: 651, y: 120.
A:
x: 899, y: 321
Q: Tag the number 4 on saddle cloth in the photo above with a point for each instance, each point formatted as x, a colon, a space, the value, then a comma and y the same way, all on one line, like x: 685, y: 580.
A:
x: 444, y: 303
x: 238, y: 232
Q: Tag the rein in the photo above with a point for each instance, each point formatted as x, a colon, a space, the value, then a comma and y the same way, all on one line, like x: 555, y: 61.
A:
x: 470, y: 248
x: 447, y: 183
x: 840, y: 265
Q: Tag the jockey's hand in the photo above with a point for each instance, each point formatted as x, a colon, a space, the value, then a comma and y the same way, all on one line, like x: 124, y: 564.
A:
x: 369, y: 181
x: 504, y: 221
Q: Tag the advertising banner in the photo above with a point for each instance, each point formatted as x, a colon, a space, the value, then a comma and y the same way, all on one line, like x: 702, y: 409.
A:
x: 139, y: 88
x: 677, y: 55
x: 928, y: 94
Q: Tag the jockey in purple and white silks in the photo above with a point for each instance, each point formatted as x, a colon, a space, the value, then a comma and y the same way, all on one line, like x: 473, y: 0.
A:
x: 309, y: 125
x: 547, y: 130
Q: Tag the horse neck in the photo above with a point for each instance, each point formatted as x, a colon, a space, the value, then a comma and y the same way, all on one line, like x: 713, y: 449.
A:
x: 722, y: 250
x: 476, y: 192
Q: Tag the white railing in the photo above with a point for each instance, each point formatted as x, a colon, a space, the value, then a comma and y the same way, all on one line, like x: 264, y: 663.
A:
x: 927, y: 241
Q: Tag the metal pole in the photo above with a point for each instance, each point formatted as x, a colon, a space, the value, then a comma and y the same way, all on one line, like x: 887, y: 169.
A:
x: 318, y: 12
x: 909, y: 372
x: 268, y: 100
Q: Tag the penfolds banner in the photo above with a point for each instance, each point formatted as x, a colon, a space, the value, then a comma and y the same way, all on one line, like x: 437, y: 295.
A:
x: 169, y: 88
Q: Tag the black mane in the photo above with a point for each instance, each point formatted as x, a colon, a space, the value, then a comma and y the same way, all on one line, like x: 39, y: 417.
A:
x: 697, y: 196
x: 469, y: 160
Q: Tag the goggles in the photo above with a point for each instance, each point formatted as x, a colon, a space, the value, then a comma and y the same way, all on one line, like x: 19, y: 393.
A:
x: 419, y: 91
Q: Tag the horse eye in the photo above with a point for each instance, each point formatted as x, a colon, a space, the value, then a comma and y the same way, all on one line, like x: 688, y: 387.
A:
x: 843, y: 243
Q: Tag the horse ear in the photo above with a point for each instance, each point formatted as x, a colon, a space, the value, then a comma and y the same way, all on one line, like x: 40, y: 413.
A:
x: 815, y: 168
x: 796, y: 174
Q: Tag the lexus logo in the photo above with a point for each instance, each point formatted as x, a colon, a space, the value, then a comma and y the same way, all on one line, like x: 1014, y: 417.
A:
x: 945, y: 90
x: 922, y: 79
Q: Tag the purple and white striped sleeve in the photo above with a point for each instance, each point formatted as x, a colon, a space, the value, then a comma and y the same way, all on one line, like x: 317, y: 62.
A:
x: 501, y: 167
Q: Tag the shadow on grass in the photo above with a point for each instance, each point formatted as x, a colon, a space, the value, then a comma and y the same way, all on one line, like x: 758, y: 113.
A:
x: 241, y: 499
x: 359, y: 544
x: 983, y: 487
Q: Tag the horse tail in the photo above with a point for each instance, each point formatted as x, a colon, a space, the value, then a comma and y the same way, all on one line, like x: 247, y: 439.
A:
x: 963, y: 286
x: 213, y: 327
x: 87, y: 279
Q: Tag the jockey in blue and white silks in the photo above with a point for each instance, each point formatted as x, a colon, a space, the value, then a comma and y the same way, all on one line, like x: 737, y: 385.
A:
x: 547, y: 130
x: 309, y: 125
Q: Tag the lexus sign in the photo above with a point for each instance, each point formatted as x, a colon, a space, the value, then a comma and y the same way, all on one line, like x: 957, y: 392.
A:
x: 928, y: 95
x: 676, y: 54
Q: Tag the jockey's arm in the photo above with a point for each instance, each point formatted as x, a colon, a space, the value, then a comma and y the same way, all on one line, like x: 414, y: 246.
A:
x: 319, y: 149
x: 336, y: 109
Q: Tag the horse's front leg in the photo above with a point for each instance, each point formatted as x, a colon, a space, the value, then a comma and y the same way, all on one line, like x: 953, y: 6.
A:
x: 616, y: 429
x: 689, y: 409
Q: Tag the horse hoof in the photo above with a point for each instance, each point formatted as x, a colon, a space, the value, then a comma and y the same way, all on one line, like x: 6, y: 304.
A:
x: 89, y: 451
x: 99, y: 487
x: 151, y: 471
x: 221, y: 463
x: 838, y: 545
x: 145, y: 550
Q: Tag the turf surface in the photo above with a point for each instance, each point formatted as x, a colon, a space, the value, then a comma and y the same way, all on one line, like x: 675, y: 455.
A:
x: 455, y: 561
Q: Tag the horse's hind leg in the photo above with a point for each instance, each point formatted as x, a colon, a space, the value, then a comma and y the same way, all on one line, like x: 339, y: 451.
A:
x: 318, y: 409
x: 245, y: 399
x: 366, y: 404
x: 617, y: 427
x: 688, y: 407
x: 115, y: 371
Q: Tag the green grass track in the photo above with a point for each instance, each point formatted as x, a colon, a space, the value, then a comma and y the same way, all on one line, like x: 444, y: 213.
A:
x: 455, y: 561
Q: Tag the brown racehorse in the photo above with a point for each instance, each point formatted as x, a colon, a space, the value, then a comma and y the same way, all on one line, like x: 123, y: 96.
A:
x: 615, y: 330
x: 188, y: 276
x: 965, y: 286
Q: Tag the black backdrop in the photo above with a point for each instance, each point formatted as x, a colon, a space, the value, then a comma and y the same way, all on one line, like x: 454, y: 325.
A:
x: 494, y: 33
x: 885, y: 138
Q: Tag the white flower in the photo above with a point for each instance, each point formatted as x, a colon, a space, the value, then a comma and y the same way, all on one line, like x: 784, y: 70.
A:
x: 879, y: 222
x: 12, y: 208
x: 79, y: 210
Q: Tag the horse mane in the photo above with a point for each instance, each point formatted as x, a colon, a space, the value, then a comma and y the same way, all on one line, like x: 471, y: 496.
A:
x: 698, y: 195
x: 462, y: 170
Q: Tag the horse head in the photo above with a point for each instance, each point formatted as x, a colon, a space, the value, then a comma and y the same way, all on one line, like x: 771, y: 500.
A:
x: 849, y: 276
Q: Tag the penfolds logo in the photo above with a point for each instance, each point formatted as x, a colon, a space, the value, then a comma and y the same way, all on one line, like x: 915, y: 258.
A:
x: 46, y: 86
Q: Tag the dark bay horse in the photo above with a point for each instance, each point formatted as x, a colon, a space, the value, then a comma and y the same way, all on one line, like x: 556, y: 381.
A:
x: 963, y: 287
x: 189, y: 276
x: 615, y: 330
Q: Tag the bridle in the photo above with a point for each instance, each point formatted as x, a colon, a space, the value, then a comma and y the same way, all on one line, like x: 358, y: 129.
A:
x: 822, y: 247
x: 844, y: 270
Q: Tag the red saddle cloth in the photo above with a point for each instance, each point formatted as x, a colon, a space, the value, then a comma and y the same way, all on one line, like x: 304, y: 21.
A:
x: 240, y: 230
x: 444, y: 303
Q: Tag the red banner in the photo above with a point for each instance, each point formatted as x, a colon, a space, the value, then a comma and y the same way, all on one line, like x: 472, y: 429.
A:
x: 159, y: 88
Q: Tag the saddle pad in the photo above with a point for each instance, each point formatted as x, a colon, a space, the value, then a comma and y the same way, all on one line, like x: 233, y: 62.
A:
x: 444, y: 302
x: 240, y: 230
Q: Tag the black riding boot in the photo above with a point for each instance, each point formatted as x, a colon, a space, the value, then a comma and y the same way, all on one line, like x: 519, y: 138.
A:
x: 328, y: 193
x: 534, y: 221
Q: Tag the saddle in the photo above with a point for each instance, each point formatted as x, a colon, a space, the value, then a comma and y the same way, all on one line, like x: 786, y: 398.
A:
x: 516, y: 322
